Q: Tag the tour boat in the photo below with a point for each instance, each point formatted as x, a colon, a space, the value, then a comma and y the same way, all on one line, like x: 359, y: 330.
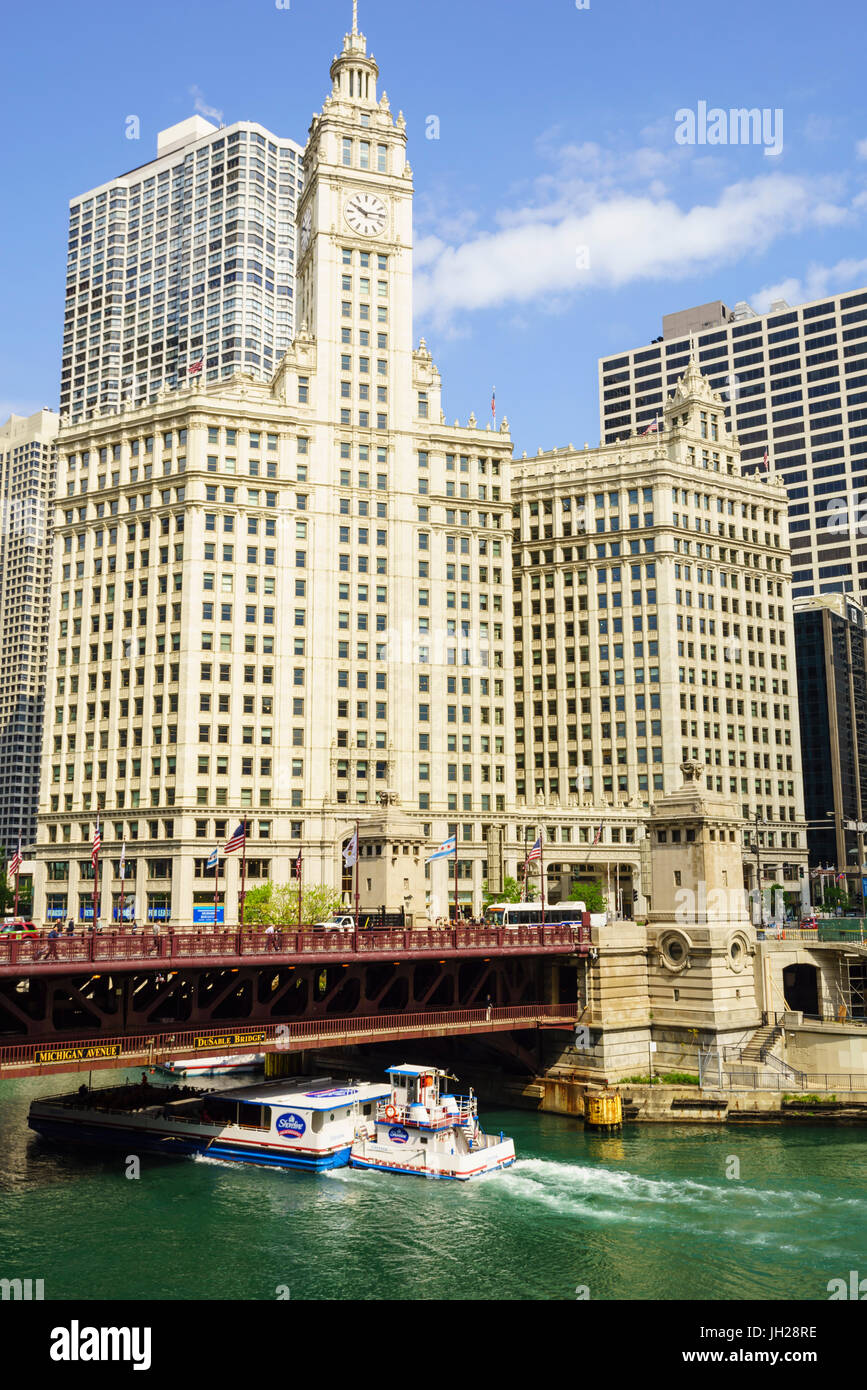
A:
x: 214, y: 1066
x: 308, y: 1123
x: 423, y: 1130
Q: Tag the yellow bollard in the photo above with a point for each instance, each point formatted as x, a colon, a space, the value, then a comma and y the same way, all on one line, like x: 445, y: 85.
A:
x: 603, y: 1111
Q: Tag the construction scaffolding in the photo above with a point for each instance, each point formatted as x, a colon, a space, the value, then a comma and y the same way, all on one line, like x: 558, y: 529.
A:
x: 853, y: 987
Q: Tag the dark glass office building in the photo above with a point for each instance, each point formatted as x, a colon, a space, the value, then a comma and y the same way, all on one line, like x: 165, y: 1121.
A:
x: 831, y: 657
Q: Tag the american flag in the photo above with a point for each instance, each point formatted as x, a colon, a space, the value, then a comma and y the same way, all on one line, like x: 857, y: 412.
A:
x: 494, y: 402
x: 237, y: 840
x: 298, y: 865
x: 653, y: 427
x: 195, y: 367
x: 536, y: 851
x: 16, y: 861
x: 97, y: 846
x: 766, y: 461
x: 598, y: 836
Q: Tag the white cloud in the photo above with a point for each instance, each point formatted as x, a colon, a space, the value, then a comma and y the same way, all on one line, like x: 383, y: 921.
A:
x: 536, y: 253
x: 861, y: 149
x: 816, y: 283
x: 202, y: 107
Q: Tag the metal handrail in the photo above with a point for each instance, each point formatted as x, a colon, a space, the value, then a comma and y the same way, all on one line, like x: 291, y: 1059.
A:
x: 175, y: 946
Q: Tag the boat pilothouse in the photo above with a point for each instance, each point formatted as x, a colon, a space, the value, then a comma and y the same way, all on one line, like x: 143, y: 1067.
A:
x: 425, y: 1130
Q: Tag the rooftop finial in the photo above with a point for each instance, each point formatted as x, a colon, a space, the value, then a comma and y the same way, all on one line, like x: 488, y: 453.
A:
x: 355, y: 16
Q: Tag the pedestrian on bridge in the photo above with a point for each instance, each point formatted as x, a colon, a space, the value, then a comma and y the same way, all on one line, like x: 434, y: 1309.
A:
x: 50, y: 952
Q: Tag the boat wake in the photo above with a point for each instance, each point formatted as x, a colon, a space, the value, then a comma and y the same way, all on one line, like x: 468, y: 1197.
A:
x: 605, y: 1194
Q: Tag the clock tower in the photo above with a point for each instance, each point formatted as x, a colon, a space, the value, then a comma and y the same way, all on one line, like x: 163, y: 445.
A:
x: 395, y: 510
x: 355, y: 243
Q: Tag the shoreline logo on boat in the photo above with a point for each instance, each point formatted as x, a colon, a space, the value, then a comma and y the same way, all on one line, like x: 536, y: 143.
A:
x: 398, y: 1135
x: 291, y: 1126
x: 338, y: 1091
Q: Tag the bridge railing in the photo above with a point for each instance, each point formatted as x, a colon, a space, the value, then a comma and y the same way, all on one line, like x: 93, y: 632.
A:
x: 188, y: 945
x: 283, y: 1036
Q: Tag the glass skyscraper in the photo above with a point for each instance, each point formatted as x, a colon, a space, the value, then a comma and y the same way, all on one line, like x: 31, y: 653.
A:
x: 183, y: 266
x: 794, y: 385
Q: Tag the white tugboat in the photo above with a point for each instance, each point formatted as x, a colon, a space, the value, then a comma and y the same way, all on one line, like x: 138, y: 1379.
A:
x: 422, y: 1129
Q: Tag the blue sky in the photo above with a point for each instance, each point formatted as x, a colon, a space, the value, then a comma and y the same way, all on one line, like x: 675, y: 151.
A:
x: 557, y: 218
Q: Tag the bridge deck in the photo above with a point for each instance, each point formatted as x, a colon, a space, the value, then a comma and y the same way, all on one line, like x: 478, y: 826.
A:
x: 124, y: 952
x: 79, y: 1055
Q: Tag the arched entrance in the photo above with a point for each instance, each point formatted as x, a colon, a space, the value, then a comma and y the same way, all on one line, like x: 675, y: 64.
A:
x: 801, y: 988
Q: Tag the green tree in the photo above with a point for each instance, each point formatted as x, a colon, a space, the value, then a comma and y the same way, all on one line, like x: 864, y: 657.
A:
x: 276, y: 904
x: 7, y: 889
x: 259, y: 906
x: 511, y: 892
x: 834, y: 896
x: 590, y: 894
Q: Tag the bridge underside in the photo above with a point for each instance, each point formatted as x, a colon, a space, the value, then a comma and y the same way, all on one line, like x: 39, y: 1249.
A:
x: 310, y: 1005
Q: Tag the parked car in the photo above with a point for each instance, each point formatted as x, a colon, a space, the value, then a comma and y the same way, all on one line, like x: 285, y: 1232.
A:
x: 343, y: 923
x: 18, y: 927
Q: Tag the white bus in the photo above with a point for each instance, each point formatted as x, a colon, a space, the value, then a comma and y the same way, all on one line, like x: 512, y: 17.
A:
x: 530, y: 914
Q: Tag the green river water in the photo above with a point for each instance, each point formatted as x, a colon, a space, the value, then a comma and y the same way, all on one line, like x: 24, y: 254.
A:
x: 649, y: 1214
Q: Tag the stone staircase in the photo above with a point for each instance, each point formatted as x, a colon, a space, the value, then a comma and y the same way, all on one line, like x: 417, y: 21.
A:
x: 760, y: 1044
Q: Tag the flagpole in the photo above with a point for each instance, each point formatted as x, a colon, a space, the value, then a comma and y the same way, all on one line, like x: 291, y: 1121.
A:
x: 17, y: 872
x: 96, y: 877
x: 542, y: 870
x: 217, y: 892
x: 300, y: 869
x: 456, y: 876
x: 122, y: 867
x: 357, y: 854
x: 243, y: 873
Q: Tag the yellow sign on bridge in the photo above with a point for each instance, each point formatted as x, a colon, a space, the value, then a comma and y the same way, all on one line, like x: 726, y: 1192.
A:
x: 232, y: 1040
x: 78, y: 1054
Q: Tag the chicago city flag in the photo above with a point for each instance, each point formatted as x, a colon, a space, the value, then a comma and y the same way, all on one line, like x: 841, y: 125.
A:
x: 447, y: 847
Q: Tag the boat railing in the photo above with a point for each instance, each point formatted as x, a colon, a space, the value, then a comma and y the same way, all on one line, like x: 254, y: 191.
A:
x: 436, y: 1115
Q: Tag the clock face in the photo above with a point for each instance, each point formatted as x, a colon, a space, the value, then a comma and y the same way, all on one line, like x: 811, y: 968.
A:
x: 306, y: 229
x: 366, y: 214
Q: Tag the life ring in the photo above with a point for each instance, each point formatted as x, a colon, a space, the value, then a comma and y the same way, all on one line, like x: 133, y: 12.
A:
x: 390, y: 1112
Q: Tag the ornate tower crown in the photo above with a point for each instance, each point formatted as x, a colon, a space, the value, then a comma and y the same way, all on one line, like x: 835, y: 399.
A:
x: 353, y: 72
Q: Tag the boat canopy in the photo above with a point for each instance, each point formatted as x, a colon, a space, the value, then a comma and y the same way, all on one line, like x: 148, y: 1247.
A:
x: 324, y: 1097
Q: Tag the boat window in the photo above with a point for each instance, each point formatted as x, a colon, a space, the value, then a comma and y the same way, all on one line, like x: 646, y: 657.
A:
x: 218, y: 1111
x: 253, y: 1116
x: 368, y: 1110
x: 424, y: 1139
